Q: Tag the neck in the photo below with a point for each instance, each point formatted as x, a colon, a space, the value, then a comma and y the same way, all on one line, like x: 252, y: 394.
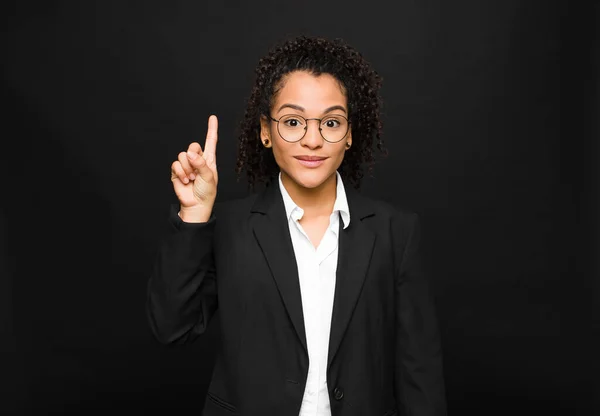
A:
x: 315, y: 202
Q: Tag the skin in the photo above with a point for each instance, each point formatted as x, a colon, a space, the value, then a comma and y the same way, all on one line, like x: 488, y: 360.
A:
x: 313, y: 189
x: 195, y: 178
x: 194, y: 173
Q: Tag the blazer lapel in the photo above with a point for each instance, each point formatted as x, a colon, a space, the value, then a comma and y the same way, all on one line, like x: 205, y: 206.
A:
x: 273, y: 236
x: 354, y: 254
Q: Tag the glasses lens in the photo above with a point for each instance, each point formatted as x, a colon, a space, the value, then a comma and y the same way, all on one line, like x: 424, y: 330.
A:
x: 292, y: 127
x: 334, y: 128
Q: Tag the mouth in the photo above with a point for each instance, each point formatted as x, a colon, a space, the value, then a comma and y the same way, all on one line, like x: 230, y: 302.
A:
x: 310, y: 161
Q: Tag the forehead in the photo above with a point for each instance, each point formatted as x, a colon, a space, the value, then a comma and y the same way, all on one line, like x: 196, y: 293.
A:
x: 310, y: 91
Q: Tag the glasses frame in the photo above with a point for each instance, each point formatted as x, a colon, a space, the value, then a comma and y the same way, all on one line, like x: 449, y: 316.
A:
x: 306, y: 128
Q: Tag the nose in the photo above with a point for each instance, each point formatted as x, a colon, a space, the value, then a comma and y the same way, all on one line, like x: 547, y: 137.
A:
x: 312, y: 139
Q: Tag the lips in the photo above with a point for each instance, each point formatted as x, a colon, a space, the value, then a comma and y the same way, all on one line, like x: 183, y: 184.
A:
x: 310, y: 158
x: 311, y: 161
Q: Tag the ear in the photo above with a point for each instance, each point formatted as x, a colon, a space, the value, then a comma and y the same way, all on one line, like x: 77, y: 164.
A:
x: 349, y: 139
x: 265, y: 131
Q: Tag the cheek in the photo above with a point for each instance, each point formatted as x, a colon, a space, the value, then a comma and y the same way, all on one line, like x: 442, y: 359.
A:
x: 340, y: 153
x: 281, y: 151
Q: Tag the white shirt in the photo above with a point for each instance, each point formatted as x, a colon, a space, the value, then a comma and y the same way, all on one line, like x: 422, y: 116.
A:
x: 316, y: 271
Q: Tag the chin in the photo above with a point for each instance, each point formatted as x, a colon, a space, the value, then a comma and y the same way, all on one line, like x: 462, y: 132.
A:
x: 311, y: 179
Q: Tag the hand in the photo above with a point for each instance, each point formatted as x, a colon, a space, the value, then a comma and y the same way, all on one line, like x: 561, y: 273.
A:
x: 194, y: 176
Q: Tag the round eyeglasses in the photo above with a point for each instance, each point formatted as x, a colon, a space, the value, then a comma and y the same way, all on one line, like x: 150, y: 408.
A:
x: 292, y: 127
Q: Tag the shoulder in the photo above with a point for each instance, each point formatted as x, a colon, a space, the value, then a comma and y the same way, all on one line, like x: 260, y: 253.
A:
x: 383, y: 210
x: 393, y: 211
x: 235, y: 205
x: 384, y: 216
x: 234, y: 208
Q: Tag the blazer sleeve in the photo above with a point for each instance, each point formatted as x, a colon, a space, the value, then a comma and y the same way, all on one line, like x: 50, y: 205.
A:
x: 419, y: 384
x: 182, y: 289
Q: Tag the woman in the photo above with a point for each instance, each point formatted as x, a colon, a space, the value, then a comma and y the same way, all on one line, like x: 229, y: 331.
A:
x: 324, y: 309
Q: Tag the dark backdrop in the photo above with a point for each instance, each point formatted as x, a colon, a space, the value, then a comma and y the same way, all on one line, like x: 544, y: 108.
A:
x: 491, y: 120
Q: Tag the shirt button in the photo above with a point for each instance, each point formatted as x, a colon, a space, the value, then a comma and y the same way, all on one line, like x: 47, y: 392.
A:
x: 338, y: 393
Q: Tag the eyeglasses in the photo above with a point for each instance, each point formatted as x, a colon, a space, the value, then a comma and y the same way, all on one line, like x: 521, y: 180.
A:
x: 292, y: 127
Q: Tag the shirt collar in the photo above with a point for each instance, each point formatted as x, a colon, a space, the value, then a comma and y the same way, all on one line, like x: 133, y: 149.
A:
x: 340, y: 205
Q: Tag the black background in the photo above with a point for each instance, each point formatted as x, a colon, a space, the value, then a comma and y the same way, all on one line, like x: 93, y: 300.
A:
x: 491, y: 120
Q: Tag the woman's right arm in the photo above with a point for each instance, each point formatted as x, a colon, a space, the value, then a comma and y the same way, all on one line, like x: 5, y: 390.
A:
x: 182, y: 290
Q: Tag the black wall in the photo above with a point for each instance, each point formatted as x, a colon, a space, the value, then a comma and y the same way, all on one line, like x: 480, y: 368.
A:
x: 491, y: 119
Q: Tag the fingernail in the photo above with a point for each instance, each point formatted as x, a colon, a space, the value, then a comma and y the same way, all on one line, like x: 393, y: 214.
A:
x: 191, y: 155
x: 192, y: 176
x: 185, y: 180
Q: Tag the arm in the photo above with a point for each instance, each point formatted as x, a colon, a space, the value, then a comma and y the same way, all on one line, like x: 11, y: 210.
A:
x: 419, y: 383
x: 182, y: 290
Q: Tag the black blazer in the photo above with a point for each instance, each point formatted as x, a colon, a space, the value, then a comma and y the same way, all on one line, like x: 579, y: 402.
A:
x: 384, y: 351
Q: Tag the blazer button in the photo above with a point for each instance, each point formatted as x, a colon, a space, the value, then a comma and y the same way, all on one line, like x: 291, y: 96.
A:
x: 338, y: 393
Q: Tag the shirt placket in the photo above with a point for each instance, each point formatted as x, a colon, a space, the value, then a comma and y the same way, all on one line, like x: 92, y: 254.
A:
x: 325, y: 287
x: 311, y: 315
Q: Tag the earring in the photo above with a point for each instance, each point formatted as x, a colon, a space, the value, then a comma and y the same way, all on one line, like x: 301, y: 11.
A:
x: 266, y: 142
x: 348, y: 145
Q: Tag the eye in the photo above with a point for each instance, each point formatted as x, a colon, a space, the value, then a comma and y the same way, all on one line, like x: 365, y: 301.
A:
x: 332, y: 123
x: 292, y: 122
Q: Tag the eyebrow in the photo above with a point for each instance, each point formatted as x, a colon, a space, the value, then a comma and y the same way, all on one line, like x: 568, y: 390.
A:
x: 297, y: 107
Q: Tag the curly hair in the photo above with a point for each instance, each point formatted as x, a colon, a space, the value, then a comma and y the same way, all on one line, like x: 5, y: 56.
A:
x: 315, y: 55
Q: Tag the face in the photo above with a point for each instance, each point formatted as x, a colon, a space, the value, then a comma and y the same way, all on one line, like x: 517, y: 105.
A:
x: 309, y: 96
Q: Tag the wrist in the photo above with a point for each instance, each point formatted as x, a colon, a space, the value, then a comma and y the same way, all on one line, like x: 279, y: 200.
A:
x: 195, y: 214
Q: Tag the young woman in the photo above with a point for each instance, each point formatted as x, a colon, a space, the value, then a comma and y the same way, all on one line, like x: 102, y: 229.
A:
x: 324, y: 309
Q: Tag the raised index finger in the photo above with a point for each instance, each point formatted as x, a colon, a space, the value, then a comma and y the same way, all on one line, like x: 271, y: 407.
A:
x: 212, y: 136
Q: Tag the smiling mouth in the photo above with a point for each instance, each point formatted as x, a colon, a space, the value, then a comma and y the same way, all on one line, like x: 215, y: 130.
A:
x: 310, y: 158
x: 310, y: 162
